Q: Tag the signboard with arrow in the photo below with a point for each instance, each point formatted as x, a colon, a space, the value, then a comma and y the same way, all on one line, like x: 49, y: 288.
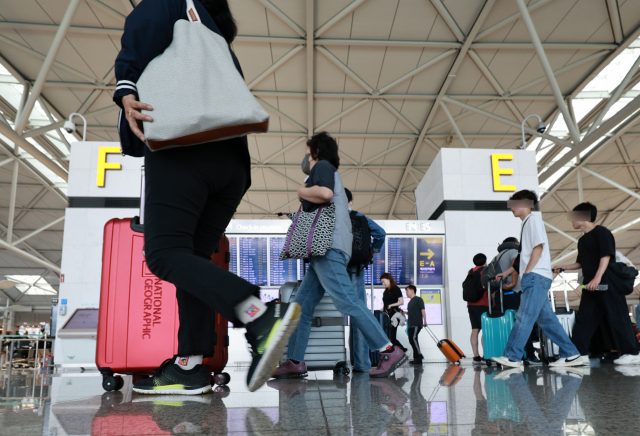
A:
x: 430, y: 259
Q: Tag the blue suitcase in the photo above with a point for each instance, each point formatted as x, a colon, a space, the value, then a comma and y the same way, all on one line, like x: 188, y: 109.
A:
x: 496, y: 330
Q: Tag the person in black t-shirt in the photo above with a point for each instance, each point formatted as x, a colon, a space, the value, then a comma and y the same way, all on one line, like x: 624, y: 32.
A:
x: 596, y: 248
x: 392, y: 300
x: 417, y: 319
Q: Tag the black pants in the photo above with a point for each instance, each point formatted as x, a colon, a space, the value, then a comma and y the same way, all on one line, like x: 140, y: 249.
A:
x: 393, y: 332
x: 608, y: 307
x: 413, y: 340
x: 191, y: 195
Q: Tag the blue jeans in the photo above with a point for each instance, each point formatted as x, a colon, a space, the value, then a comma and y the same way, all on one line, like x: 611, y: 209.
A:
x: 535, y: 306
x: 329, y: 273
x: 362, y: 361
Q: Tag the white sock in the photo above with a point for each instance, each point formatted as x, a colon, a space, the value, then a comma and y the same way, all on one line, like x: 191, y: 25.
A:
x: 386, y: 347
x: 188, y: 362
x: 250, y: 309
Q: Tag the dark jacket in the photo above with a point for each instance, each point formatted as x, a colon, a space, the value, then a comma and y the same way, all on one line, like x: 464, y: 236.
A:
x: 148, y: 31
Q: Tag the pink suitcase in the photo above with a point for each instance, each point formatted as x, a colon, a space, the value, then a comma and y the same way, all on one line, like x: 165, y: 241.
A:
x: 138, y: 316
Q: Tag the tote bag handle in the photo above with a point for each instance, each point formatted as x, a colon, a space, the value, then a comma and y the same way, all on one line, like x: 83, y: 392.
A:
x: 192, y: 13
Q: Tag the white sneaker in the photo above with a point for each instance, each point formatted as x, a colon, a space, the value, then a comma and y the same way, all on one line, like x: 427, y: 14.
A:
x: 505, y: 361
x: 503, y: 375
x: 586, y: 360
x: 570, y: 371
x: 628, y: 359
x: 575, y: 360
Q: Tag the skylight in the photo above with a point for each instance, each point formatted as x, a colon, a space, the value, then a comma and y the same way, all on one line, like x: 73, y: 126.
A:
x: 32, y: 285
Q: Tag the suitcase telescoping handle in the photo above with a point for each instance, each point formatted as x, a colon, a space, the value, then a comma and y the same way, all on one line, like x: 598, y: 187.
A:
x: 564, y: 289
x: 141, y: 213
x: 501, y: 295
x: 431, y: 334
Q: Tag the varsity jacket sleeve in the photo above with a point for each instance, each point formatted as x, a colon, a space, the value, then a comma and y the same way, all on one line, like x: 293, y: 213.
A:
x: 377, y: 233
x: 148, y: 31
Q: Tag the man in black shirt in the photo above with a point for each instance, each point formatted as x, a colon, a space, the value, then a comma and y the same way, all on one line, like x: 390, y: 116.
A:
x: 417, y: 319
x: 595, y: 249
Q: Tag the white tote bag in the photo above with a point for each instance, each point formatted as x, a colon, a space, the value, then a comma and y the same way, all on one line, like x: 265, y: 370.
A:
x: 196, y: 92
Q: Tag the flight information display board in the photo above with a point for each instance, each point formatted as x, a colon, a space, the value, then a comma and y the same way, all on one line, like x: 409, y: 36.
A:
x: 401, y: 260
x: 253, y: 260
x: 233, y: 248
x: 430, y: 260
x: 432, y: 305
x: 377, y: 268
x: 284, y: 271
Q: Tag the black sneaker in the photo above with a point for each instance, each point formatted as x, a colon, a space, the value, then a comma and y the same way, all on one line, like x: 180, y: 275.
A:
x: 267, y: 336
x: 169, y: 379
x: 478, y: 360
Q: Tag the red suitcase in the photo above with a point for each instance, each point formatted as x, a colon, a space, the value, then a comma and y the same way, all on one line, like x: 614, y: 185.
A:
x: 138, y: 316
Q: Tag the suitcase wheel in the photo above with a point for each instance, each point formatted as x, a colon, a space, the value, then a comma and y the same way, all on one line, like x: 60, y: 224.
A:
x: 112, y: 383
x: 221, y: 391
x: 489, y: 362
x: 344, y: 370
x: 221, y: 379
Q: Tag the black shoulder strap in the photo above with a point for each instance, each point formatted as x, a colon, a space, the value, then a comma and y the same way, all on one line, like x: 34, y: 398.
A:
x: 521, y: 232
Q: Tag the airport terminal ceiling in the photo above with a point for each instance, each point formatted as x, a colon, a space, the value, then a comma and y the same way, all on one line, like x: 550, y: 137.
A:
x: 393, y: 80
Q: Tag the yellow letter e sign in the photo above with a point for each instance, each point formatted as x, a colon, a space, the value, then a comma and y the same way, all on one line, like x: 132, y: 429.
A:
x: 497, y: 172
x: 103, y: 165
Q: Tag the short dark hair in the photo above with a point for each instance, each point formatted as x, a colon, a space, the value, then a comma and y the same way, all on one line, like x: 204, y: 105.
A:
x: 413, y: 288
x: 525, y: 194
x: 479, y: 259
x: 587, y: 207
x: 349, y: 195
x: 324, y: 147
x: 511, y: 239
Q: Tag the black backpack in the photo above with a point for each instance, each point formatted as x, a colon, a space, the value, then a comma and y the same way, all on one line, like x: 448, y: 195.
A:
x: 361, y: 250
x: 472, y: 289
x: 492, y: 270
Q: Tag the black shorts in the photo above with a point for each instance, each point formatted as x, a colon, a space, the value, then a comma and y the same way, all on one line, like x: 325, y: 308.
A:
x: 475, y: 315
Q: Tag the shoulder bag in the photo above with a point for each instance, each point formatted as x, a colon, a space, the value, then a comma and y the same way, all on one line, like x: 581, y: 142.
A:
x: 196, y: 92
x: 310, y: 234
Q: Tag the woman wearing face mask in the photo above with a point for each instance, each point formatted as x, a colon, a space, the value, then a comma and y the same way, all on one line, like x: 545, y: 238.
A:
x: 392, y: 300
x: 328, y: 273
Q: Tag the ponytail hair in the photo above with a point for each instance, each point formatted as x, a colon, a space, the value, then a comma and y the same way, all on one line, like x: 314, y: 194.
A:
x: 221, y: 14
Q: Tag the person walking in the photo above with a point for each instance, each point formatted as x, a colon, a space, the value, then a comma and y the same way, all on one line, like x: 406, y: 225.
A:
x: 191, y: 194
x: 328, y: 273
x: 361, y: 357
x: 417, y: 320
x: 477, y: 308
x: 392, y: 299
x: 535, y: 266
x: 596, y: 248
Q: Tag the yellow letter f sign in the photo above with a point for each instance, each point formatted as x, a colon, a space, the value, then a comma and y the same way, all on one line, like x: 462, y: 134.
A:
x: 103, y: 165
x: 497, y: 172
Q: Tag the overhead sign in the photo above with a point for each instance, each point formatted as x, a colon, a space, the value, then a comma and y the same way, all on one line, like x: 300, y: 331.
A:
x: 497, y: 172
x: 430, y: 259
x: 103, y: 165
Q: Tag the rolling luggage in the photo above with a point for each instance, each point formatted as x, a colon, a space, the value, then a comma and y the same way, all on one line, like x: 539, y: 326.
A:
x: 452, y: 375
x: 496, y: 329
x: 327, y: 343
x: 138, y: 317
x: 549, y: 351
x: 500, y: 403
x: 447, y: 347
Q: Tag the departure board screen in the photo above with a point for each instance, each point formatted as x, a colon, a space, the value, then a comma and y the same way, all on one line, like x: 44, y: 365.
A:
x: 303, y: 266
x: 281, y: 271
x: 253, y: 260
x: 233, y: 248
x: 377, y: 268
x: 401, y: 263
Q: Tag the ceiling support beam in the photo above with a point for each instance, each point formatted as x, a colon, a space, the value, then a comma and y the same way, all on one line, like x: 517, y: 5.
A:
x: 281, y: 114
x: 611, y: 182
x: 614, y: 17
x: 460, y: 116
x: 57, y: 125
x: 341, y: 115
x: 445, y: 86
x: 580, y: 190
x: 284, y: 17
x: 454, y: 124
x: 559, y: 71
x: 390, y: 150
x: 448, y: 19
x: 546, y: 66
x: 277, y: 64
x: 35, y: 232
x: 417, y: 70
x: 601, y: 131
x: 21, y: 122
x: 510, y: 20
x: 557, y: 230
x: 339, y: 16
x: 348, y: 71
x: 29, y: 207
x: 12, y: 199
x: 115, y: 14
x: 624, y: 153
x: 395, y: 112
x: 283, y: 150
x: 310, y: 67
x: 616, y: 95
x: 508, y: 122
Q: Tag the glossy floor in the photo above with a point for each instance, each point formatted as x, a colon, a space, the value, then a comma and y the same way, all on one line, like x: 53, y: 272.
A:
x: 434, y: 399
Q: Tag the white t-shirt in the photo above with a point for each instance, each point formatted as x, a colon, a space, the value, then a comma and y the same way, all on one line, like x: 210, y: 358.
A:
x: 534, y: 234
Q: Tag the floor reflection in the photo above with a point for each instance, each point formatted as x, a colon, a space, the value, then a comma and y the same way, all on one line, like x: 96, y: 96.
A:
x: 433, y: 399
